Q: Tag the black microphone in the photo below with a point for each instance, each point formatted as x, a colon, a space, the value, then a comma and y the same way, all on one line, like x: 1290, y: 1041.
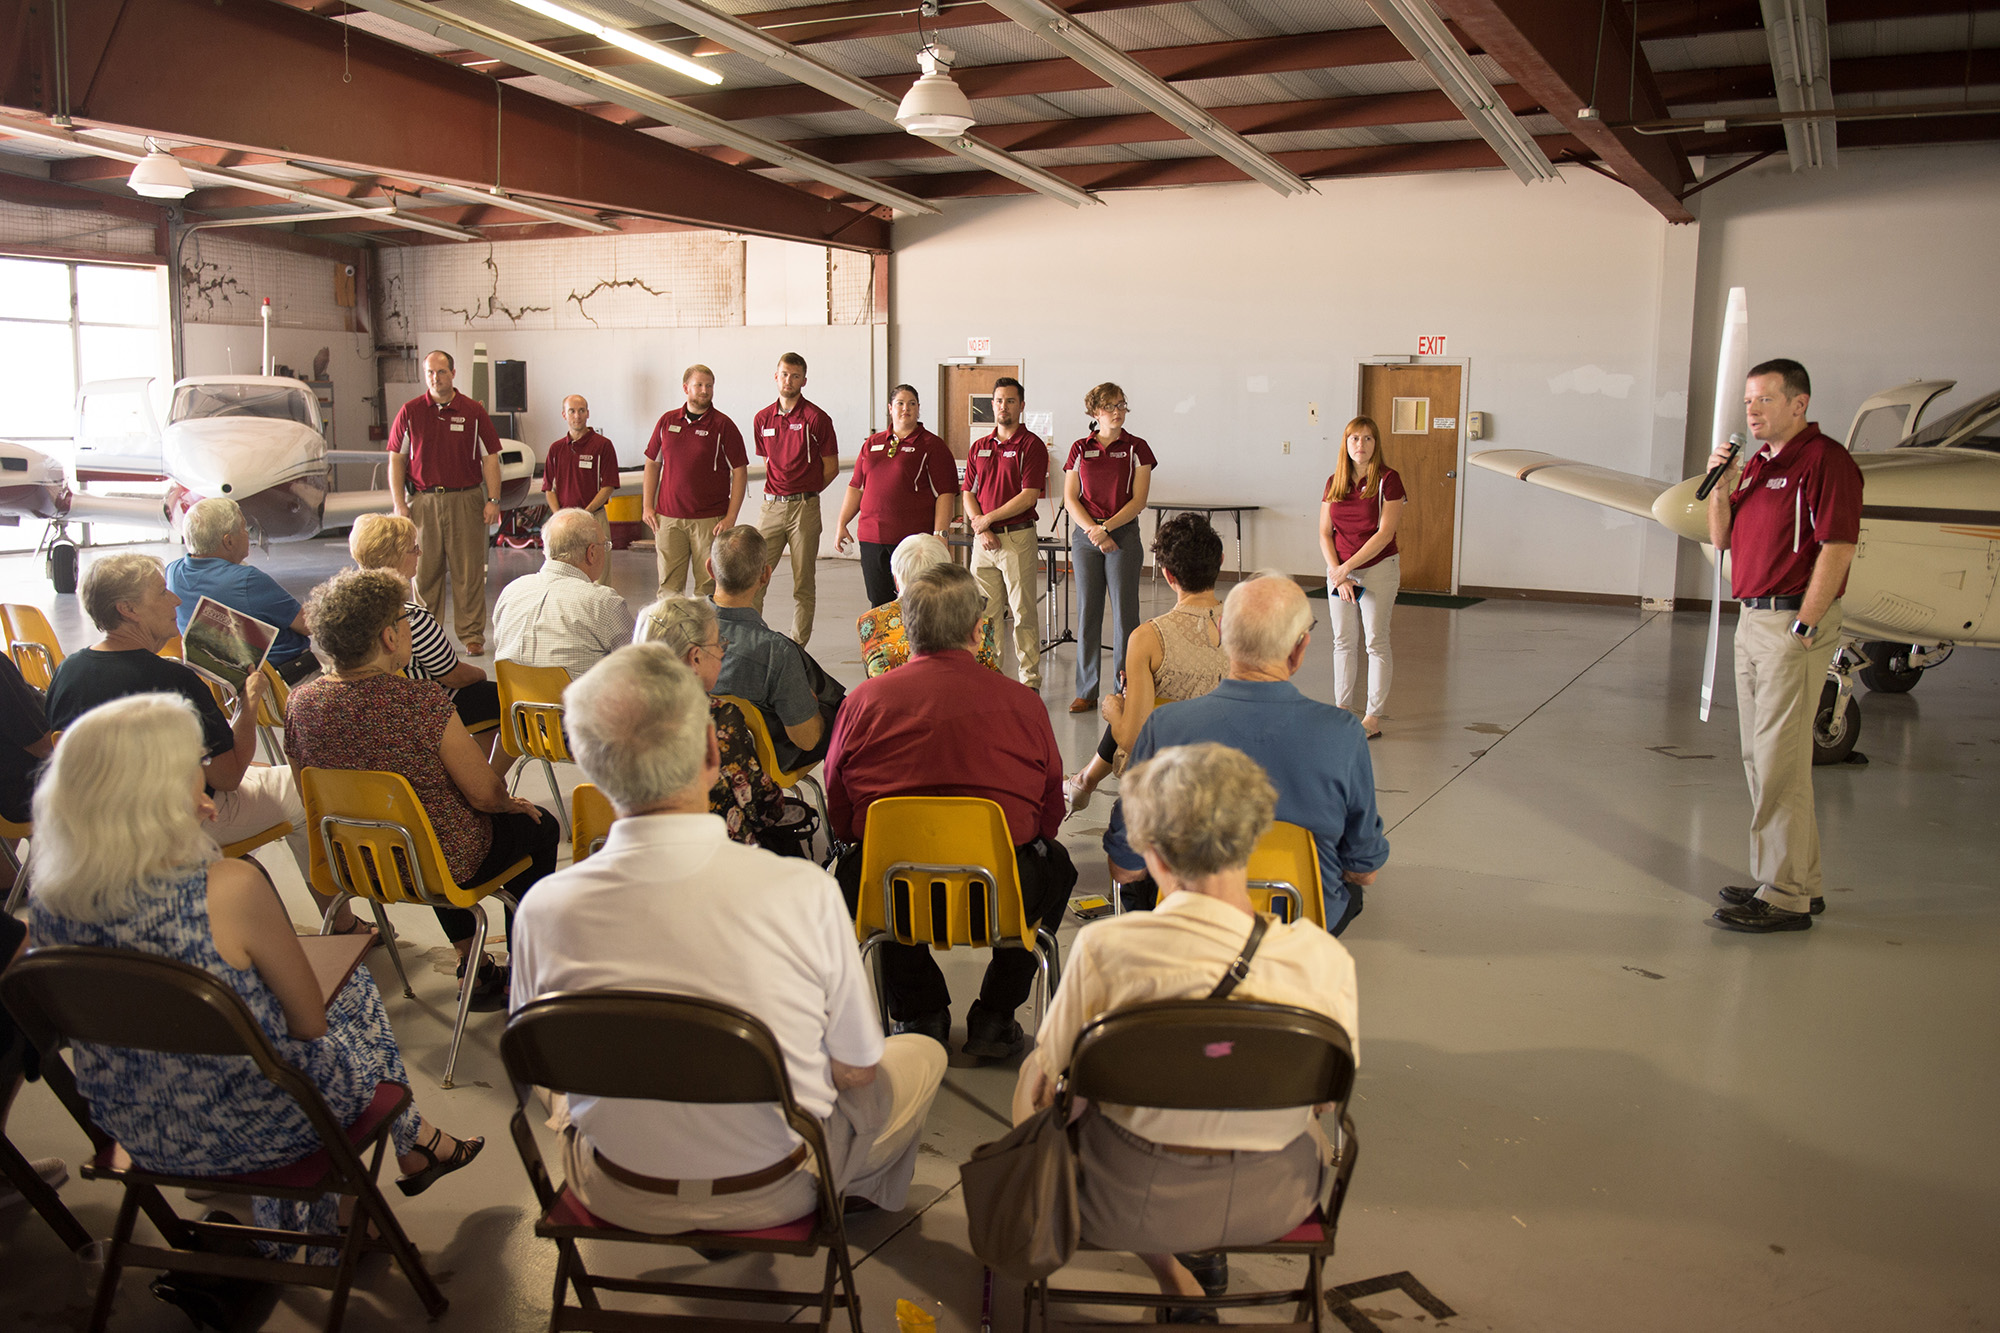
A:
x: 1715, y: 473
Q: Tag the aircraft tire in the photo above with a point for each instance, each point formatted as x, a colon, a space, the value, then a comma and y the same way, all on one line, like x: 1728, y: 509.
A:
x: 1890, y: 673
x: 62, y: 567
x: 1833, y: 740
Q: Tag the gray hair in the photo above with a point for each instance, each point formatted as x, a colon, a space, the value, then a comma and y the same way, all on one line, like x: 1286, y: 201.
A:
x: 1200, y: 808
x: 738, y: 557
x: 1264, y: 619
x: 211, y: 523
x: 114, y: 579
x: 569, y: 534
x: 681, y: 623
x: 941, y: 608
x: 914, y: 554
x: 95, y: 858
x: 638, y: 725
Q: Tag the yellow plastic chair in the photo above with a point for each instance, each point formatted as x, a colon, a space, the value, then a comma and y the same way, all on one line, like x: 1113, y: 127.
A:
x: 31, y: 642
x: 767, y: 758
x: 1284, y: 868
x: 271, y: 712
x: 531, y: 719
x: 174, y: 649
x: 374, y: 840
x: 590, y: 820
x: 245, y: 846
x: 932, y: 864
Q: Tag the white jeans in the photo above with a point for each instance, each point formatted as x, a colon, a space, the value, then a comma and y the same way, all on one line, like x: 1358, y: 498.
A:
x: 1364, y: 620
x: 266, y: 796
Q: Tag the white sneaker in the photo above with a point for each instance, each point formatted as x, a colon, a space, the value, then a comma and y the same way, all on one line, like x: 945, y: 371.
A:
x: 52, y: 1170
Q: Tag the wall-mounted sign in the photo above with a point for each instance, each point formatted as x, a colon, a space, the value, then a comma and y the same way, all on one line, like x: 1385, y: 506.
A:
x: 979, y: 346
x: 1431, y: 344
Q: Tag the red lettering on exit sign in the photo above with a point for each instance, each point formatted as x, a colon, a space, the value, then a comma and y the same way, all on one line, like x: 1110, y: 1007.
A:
x: 1430, y: 345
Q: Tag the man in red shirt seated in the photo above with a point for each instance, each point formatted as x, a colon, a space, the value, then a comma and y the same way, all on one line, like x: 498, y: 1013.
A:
x: 942, y: 725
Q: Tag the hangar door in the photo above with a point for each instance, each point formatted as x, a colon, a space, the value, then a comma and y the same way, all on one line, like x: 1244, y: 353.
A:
x: 1417, y: 409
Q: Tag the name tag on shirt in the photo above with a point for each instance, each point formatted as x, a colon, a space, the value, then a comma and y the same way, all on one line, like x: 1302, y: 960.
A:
x: 768, y: 430
x: 1090, y: 453
x: 458, y: 425
x: 878, y: 448
x: 677, y: 428
x: 586, y: 461
x: 988, y: 453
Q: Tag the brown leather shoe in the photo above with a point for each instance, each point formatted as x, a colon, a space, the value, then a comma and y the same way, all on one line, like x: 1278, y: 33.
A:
x: 1083, y: 705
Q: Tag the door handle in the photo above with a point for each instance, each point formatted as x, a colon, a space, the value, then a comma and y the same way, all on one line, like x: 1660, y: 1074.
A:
x: 1449, y: 475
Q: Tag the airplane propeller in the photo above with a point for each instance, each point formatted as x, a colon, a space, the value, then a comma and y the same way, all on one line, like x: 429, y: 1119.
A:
x: 1731, y: 369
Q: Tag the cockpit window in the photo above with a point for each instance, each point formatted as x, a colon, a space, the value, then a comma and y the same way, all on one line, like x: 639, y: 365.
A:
x: 1978, y: 422
x: 196, y: 401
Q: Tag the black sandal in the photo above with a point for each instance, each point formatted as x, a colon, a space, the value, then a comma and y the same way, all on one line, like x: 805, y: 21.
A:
x: 356, y: 926
x: 419, y: 1181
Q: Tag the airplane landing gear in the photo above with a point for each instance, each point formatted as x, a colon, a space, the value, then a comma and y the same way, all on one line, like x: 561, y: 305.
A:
x: 1895, y: 668
x: 1837, y: 721
x: 59, y: 557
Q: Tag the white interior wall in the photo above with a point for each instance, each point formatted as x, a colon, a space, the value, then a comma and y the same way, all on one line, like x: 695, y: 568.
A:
x: 1882, y: 271
x: 1224, y: 310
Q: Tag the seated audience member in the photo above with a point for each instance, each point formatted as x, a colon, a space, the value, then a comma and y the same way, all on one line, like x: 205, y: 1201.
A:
x: 1171, y: 657
x: 672, y: 904
x: 365, y: 713
x: 1316, y: 754
x: 389, y: 541
x: 127, y: 597
x: 744, y: 795
x: 218, y: 543
x: 884, y: 642
x: 25, y: 741
x: 140, y: 872
x: 1170, y: 1184
x: 561, y: 616
x: 793, y: 692
x: 942, y: 725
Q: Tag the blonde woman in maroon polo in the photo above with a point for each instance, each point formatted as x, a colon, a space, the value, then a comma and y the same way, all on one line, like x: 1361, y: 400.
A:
x: 1105, y: 483
x: 1359, y: 513
x: 903, y: 484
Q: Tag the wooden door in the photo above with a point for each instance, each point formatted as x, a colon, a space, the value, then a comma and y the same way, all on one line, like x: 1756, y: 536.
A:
x: 964, y: 410
x: 1417, y: 409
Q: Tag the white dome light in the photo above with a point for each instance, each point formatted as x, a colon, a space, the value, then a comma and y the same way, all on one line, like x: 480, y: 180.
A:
x: 935, y: 107
x: 161, y: 176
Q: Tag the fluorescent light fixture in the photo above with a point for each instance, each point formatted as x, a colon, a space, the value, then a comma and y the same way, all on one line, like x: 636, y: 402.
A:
x: 1423, y: 34
x: 1795, y: 31
x: 160, y: 175
x: 935, y: 107
x: 754, y: 43
x: 1069, y: 35
x: 624, y: 40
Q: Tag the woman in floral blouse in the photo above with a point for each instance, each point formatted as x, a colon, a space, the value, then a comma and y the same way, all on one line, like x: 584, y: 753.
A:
x: 885, y: 644
x: 746, y: 798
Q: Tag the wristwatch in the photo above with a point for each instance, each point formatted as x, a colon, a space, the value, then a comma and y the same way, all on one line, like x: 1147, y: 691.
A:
x: 1803, y: 630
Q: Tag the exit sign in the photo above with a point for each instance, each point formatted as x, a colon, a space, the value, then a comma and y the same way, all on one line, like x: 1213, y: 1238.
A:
x: 1430, y: 345
x: 979, y: 346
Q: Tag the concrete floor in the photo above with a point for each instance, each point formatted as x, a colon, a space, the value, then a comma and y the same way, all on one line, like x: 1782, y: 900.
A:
x: 1581, y: 1106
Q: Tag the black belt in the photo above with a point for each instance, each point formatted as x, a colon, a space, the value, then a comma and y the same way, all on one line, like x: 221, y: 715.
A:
x: 1772, y: 603
x: 770, y: 496
x: 448, y: 490
x: 1012, y: 527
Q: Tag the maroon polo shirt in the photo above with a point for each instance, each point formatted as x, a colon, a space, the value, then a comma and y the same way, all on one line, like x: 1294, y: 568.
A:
x: 792, y: 445
x: 444, y: 443
x: 997, y: 470
x: 696, y: 454
x: 1785, y: 508
x: 576, y: 470
x: 899, y: 493
x: 1106, y: 474
x: 1357, y: 518
x: 943, y: 725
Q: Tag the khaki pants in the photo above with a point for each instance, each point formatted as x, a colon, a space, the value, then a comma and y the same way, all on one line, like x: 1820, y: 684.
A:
x: 795, y: 523
x: 680, y: 544
x: 266, y: 796
x: 871, y: 1140
x: 1134, y: 1194
x: 451, y: 527
x: 1014, y: 567
x: 1778, y: 683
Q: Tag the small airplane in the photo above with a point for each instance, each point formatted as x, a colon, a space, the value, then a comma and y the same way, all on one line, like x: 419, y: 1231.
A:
x: 1924, y: 573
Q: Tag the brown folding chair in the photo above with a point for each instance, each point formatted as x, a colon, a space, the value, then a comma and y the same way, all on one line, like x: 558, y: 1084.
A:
x: 1218, y: 1055
x: 595, y: 1043
x: 15, y: 1167
x: 117, y: 997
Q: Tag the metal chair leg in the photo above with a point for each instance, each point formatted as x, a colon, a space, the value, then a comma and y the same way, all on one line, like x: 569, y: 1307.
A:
x: 465, y: 986
x: 871, y: 963
x: 555, y: 794
x: 395, y: 950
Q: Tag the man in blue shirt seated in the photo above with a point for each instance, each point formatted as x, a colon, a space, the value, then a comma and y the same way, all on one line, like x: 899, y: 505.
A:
x: 1315, y: 754
x: 218, y: 542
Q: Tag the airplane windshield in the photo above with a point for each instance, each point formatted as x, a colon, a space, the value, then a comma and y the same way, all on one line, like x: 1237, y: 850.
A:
x: 1981, y: 418
x: 195, y: 401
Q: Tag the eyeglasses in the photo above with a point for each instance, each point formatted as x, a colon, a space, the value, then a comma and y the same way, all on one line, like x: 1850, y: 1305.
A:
x: 720, y: 648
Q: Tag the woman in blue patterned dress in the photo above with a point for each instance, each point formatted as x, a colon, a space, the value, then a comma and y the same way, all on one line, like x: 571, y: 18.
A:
x: 120, y: 860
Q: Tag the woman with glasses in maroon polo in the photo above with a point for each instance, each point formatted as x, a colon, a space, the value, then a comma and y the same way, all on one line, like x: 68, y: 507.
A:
x: 1105, y: 483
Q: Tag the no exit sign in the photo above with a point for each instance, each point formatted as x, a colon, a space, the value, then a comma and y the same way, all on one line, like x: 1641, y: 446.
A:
x: 979, y: 346
x: 1430, y: 344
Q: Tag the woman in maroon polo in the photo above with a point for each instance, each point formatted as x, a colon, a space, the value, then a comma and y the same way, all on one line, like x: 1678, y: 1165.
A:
x: 1358, y: 517
x: 903, y: 484
x: 1105, y: 483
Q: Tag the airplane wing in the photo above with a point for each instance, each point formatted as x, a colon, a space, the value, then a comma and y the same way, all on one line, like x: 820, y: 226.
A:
x: 1600, y: 485
x: 136, y: 511
x: 343, y: 507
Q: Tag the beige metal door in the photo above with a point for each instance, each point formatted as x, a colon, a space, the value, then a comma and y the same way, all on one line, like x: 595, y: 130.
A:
x: 963, y: 392
x: 1417, y: 409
